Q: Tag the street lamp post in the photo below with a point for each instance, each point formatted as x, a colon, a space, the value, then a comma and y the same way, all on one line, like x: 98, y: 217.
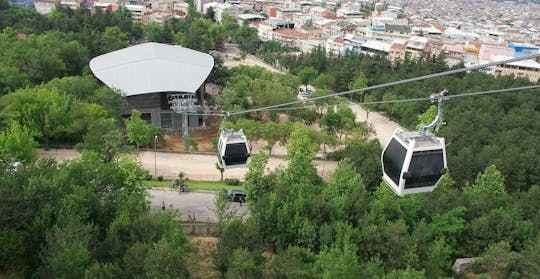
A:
x: 155, y: 156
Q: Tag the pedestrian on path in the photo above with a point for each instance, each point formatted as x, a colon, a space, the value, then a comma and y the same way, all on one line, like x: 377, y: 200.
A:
x: 163, y: 205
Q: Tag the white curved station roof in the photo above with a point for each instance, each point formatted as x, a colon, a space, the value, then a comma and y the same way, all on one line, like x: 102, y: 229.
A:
x: 153, y: 67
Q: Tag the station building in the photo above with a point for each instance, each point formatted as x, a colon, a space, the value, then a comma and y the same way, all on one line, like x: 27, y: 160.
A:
x: 152, y: 75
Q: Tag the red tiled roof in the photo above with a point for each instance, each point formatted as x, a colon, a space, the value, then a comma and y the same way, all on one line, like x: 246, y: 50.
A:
x: 289, y: 32
x: 397, y: 46
x: 273, y: 12
x: 438, y: 26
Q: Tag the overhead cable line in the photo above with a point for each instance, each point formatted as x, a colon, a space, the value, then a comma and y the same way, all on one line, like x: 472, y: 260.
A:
x: 391, y: 101
x: 413, y: 99
x: 450, y: 72
x: 492, y: 91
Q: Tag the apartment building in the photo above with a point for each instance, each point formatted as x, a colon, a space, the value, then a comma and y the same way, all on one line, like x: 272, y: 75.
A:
x: 529, y: 69
x: 288, y: 37
x: 137, y: 11
x: 220, y: 9
x: 267, y: 27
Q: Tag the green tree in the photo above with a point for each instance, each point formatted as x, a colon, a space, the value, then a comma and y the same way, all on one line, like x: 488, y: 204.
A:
x: 346, y: 183
x: 338, y: 122
x: 45, y: 113
x: 271, y: 132
x: 220, y: 169
x: 255, y: 184
x: 449, y: 226
x: 165, y: 261
x: 246, y: 38
x: 104, y: 138
x: 113, y: 39
x: 139, y: 131
x: 488, y: 186
x: 306, y: 75
x: 103, y: 270
x: 438, y: 261
x: 234, y: 235
x: 230, y: 24
x: 67, y: 254
x: 133, y: 257
x: 338, y: 263
x: 324, y: 81
x: 18, y: 143
x: 243, y: 265
x: 210, y: 14
x: 360, y: 82
x: 12, y: 79
x: 294, y: 262
x: 496, y: 260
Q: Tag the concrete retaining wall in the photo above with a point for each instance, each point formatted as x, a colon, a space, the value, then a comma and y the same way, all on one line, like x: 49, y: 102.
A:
x: 199, y: 228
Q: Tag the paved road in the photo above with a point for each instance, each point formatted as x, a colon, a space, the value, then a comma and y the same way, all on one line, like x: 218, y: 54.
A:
x: 200, y: 203
x: 195, y: 166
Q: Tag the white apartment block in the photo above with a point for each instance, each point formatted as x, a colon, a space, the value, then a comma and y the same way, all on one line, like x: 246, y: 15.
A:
x: 308, y: 44
x: 137, y: 11
x: 335, y: 46
x: 45, y: 6
x: 529, y: 69
x: 223, y: 8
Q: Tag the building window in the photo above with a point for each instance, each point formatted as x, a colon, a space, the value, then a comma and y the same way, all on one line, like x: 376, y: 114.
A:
x: 166, y: 120
x: 147, y: 117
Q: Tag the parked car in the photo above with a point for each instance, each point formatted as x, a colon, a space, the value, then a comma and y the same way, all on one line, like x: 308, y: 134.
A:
x: 236, y: 195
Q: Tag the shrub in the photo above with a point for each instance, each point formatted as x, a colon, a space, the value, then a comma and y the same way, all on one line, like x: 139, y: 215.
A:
x: 232, y: 181
x: 148, y: 176
x: 160, y: 178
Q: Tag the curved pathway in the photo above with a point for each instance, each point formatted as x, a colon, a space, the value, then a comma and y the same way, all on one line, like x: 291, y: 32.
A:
x: 384, y: 127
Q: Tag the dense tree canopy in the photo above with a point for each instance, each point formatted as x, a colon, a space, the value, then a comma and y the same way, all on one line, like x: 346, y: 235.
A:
x: 89, y: 217
x: 83, y: 218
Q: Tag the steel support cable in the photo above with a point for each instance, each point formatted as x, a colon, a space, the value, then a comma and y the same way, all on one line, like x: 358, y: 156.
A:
x: 492, y: 91
x: 389, y: 101
x: 388, y: 84
x: 408, y: 100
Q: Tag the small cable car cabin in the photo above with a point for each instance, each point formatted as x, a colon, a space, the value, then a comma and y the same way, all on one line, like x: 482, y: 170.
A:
x: 233, y: 149
x: 413, y: 162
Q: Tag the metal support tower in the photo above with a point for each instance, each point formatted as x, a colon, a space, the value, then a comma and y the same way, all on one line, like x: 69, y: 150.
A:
x: 184, y: 104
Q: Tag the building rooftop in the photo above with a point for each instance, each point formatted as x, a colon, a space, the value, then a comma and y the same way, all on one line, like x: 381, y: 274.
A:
x: 250, y: 16
x: 153, y: 67
x: 376, y: 45
x: 397, y: 28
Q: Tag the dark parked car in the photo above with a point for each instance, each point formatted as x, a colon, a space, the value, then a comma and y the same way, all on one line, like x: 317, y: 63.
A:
x: 236, y: 195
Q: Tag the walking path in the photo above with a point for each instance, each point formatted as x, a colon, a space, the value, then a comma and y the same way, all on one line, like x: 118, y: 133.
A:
x: 195, y: 166
x: 384, y: 127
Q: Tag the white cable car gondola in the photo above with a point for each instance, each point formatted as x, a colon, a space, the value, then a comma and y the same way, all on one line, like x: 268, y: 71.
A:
x: 233, y: 148
x: 415, y: 161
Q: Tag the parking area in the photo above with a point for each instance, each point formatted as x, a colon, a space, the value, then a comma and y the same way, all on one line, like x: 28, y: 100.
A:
x: 199, y: 203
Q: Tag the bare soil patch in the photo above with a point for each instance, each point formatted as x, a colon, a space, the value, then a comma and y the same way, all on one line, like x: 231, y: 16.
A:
x: 200, y: 261
x: 203, y: 137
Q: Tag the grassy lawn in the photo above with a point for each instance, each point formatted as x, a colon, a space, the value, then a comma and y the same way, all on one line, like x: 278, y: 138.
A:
x: 193, y: 185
